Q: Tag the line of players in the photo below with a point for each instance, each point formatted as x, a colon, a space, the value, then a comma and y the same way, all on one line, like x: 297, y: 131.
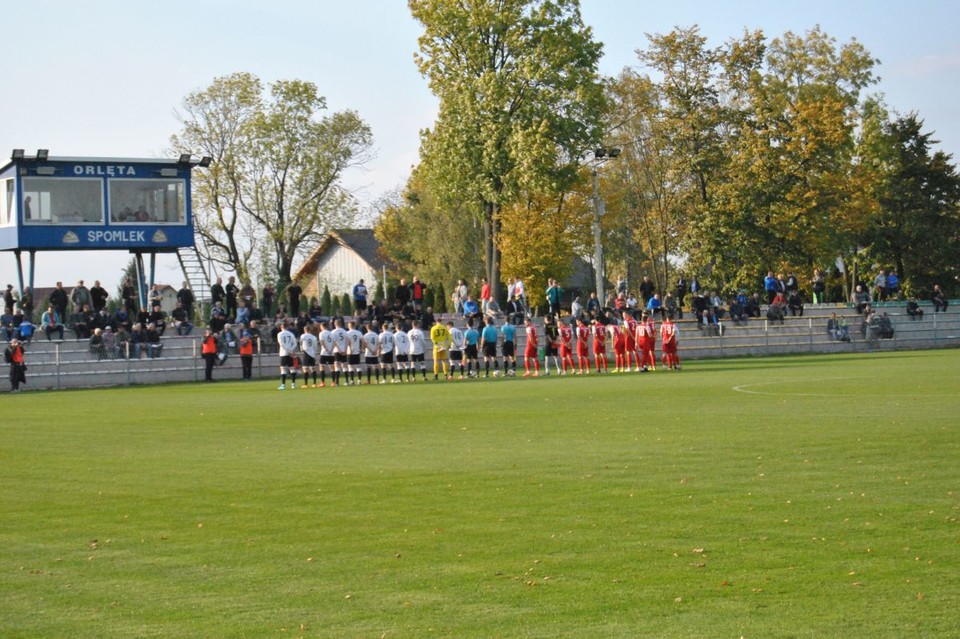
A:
x: 399, y: 354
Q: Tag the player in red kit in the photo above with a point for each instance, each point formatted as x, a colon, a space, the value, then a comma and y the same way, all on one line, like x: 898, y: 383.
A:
x: 566, y: 346
x: 668, y: 341
x: 531, y: 350
x: 630, y: 324
x: 619, y: 338
x: 583, y: 338
x: 600, y: 345
x: 644, y: 343
x: 650, y: 355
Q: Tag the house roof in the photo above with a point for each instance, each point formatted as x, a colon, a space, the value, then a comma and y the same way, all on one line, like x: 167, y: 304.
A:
x: 360, y: 241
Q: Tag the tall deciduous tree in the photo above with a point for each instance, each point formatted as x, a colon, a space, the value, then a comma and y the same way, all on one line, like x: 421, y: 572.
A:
x: 520, y: 100
x: 276, y: 180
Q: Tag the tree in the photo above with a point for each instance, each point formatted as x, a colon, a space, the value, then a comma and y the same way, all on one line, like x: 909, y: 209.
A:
x: 916, y: 228
x: 276, y: 179
x: 519, y: 97
x: 326, y: 302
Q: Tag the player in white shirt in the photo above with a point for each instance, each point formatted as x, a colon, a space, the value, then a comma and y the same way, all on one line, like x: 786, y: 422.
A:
x: 339, y: 335
x: 308, y: 346
x: 402, y: 347
x: 386, y: 354
x: 417, y: 342
x: 371, y: 349
x: 457, y: 341
x: 354, y: 347
x: 287, y: 342
x: 327, y: 357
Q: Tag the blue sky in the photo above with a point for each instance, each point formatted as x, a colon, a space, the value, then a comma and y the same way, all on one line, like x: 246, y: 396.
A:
x: 103, y: 78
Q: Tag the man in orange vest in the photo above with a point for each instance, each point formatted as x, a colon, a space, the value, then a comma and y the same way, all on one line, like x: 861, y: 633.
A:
x: 18, y: 369
x: 208, y: 349
x: 246, y: 354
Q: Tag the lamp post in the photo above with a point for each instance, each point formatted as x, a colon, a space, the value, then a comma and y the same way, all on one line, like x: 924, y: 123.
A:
x: 601, y: 155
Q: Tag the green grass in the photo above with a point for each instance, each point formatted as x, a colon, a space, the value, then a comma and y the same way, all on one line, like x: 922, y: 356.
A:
x: 790, y: 497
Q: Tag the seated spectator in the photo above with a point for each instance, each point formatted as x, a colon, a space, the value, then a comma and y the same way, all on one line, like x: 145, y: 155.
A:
x: 102, y: 319
x: 96, y: 346
x: 52, y: 323
x: 7, y: 329
x: 85, y: 322
x: 124, y: 349
x: 471, y: 310
x: 737, y: 313
x: 228, y: 339
x: 218, y: 317
x: 158, y: 319
x: 153, y: 345
x: 26, y: 329
x: 776, y: 312
x: 914, y: 310
x: 752, y: 307
x: 493, y: 309
x: 780, y: 299
x: 861, y: 299
x: 181, y: 320
x: 670, y: 306
x: 655, y: 306
x: 243, y: 313
x: 795, y: 304
x: 837, y: 328
x: 122, y: 319
x: 698, y: 305
x: 709, y: 324
x: 940, y: 302
x: 716, y: 305
x: 109, y: 342
x: 138, y: 340
x: 886, y: 325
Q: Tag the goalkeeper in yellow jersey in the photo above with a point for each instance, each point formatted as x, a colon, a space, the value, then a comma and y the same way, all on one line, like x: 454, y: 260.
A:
x: 440, y: 336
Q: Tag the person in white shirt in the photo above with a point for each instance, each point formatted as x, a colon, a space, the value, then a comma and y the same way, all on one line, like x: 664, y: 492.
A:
x: 402, y: 346
x: 386, y: 354
x: 417, y: 343
x: 354, y: 348
x: 327, y: 357
x: 371, y: 348
x: 339, y: 335
x: 457, y: 341
x: 308, y: 346
x: 288, y: 348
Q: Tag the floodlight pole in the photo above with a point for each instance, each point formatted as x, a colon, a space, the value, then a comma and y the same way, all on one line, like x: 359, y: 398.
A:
x: 600, y: 156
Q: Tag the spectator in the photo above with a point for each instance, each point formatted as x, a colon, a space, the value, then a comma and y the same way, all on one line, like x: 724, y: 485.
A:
x: 181, y: 320
x: 83, y: 322
x: 26, y: 329
x: 837, y: 328
x: 698, y: 305
x: 59, y: 299
x: 96, y: 346
x: 861, y: 299
x: 123, y: 342
x: 737, y: 313
x: 128, y: 294
x: 155, y: 297
x: 471, y: 310
x: 459, y: 296
x: 795, y: 304
x: 709, y: 324
x: 776, y: 312
x: 243, y: 313
x: 360, y: 297
x: 493, y: 309
x: 248, y: 294
x: 13, y: 356
x: 681, y: 293
x: 9, y: 299
x: 771, y: 285
x: 819, y: 286
x: 671, y: 307
x: 554, y: 294
x: 217, y: 294
x: 893, y: 285
x: 886, y: 325
x: 122, y: 318
x: 52, y: 322
x: 576, y: 308
x: 752, y: 306
x: 7, y: 328
x: 186, y: 300
x: 654, y: 306
x: 218, y: 317
x: 880, y: 286
x: 914, y: 310
x: 26, y: 303
x: 647, y: 289
x: 417, y: 292
x: 940, y: 302
x: 791, y: 285
x: 109, y: 342
x: 158, y: 318
x: 593, y: 304
x: 267, y: 300
x: 98, y: 297
x: 716, y: 306
x: 231, y: 290
x: 79, y: 297
x: 154, y: 347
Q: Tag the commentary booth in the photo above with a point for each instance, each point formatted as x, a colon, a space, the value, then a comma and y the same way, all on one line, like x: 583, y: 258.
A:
x: 96, y: 204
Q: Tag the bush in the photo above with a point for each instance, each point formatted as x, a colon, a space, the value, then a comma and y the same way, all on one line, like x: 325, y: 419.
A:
x: 439, y: 299
x: 326, y: 302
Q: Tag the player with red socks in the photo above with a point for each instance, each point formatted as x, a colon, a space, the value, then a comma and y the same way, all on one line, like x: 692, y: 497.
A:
x: 600, y: 345
x: 531, y: 350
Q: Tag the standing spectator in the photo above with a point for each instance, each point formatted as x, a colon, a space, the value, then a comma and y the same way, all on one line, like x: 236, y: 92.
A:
x: 13, y: 356
x: 646, y: 290
x: 293, y: 297
x: 246, y: 355
x: 417, y: 292
x: 360, y: 297
x: 59, y: 299
x: 459, y: 296
x: 771, y: 285
x: 554, y: 293
x: 791, y: 285
x: 401, y: 294
x: 520, y: 295
x: 231, y: 292
x: 186, y: 300
x: 217, y: 294
x: 267, y: 300
x: 893, y: 285
x: 880, y: 286
x: 576, y: 308
x: 593, y: 304
x: 26, y: 303
x: 248, y: 294
x: 128, y: 293
x: 485, y: 294
x: 681, y: 292
x: 208, y: 350
x: 8, y: 300
x: 819, y: 286
x: 155, y: 297
x: 98, y: 297
x: 940, y: 302
x: 80, y: 297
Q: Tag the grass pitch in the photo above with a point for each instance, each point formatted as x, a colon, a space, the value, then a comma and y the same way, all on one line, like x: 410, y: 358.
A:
x: 781, y: 497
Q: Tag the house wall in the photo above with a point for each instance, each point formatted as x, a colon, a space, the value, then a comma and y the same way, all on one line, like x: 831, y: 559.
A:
x: 340, y: 268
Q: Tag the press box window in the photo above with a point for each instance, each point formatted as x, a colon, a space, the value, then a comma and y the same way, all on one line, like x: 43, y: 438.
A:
x: 148, y: 201
x: 69, y: 201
